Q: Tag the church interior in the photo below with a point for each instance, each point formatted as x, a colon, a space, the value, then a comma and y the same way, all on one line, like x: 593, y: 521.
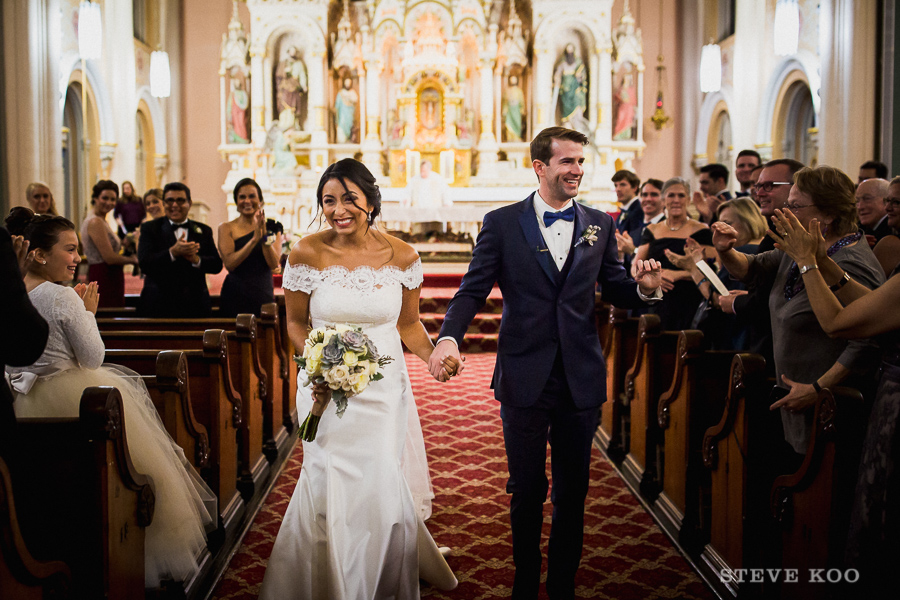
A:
x: 440, y: 99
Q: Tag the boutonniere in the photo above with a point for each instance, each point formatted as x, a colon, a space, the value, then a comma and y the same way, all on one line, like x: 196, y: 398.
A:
x: 589, y: 235
x: 197, y: 229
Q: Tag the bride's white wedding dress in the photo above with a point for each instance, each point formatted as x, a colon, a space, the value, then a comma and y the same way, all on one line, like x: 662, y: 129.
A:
x: 352, y: 530
x: 52, y: 387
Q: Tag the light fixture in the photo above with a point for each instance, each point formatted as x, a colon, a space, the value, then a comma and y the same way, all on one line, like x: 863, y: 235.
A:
x: 160, y: 76
x: 90, y: 30
x: 711, y: 68
x: 787, y: 27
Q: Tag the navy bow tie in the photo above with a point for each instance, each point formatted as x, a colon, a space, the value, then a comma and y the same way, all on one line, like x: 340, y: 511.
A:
x: 565, y: 215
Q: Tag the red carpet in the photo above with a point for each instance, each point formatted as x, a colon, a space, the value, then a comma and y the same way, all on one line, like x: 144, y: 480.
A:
x: 625, y: 557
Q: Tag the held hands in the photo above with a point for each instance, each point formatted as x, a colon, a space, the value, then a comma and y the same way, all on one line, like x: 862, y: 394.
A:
x: 801, y: 397
x: 445, y: 361
x: 648, y: 275
x: 90, y: 295
x: 805, y: 247
x: 724, y: 236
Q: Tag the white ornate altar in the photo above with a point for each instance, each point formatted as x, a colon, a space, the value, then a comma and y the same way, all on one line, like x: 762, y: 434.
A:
x: 464, y: 84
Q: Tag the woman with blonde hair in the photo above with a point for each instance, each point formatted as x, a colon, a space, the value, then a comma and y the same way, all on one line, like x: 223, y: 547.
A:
x: 40, y: 199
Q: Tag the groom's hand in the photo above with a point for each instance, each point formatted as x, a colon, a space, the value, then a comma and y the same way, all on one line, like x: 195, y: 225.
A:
x: 648, y: 274
x: 444, y: 355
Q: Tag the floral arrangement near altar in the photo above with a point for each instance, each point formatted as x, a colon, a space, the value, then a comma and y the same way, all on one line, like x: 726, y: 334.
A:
x: 343, y: 358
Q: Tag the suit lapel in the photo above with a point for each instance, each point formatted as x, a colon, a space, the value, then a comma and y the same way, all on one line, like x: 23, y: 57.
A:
x: 536, y: 244
x: 580, y: 226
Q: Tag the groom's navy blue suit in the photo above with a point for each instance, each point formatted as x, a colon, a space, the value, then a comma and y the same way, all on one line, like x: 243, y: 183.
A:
x: 550, y: 374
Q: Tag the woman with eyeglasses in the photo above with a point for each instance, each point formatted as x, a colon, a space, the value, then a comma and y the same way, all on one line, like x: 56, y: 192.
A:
x: 887, y: 250
x: 806, y: 358
x: 681, y: 297
x: 873, y: 543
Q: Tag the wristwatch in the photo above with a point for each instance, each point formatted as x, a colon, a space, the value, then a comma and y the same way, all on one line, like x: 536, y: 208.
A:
x: 806, y: 268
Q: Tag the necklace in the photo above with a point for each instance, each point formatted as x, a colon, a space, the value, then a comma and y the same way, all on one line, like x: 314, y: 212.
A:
x: 676, y: 228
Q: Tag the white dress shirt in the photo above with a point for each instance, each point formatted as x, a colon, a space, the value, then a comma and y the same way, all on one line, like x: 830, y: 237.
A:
x: 558, y: 236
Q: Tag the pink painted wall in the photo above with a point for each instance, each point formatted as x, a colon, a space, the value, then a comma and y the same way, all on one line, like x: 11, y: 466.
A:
x: 204, y: 22
x: 662, y: 157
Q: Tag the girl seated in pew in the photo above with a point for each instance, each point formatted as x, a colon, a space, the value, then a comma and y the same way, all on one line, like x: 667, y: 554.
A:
x: 73, y: 360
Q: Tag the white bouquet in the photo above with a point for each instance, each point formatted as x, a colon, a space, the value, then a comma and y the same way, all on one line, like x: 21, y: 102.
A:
x: 345, y: 359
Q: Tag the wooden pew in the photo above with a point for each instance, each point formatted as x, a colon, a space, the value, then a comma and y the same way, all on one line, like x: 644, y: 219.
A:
x: 739, y: 519
x: 246, y: 373
x: 612, y: 435
x: 813, y: 505
x: 215, y: 404
x: 281, y: 371
x: 21, y: 575
x: 692, y: 404
x: 82, y: 502
x: 272, y: 362
x: 646, y: 380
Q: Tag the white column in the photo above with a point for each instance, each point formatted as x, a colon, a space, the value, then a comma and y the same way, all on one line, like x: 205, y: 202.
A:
x: 603, y: 98
x: 172, y: 108
x: 543, y: 90
x: 371, y: 145
x: 487, y: 143
x: 31, y: 55
x: 119, y: 73
x: 318, y: 109
x: 259, y: 99
x: 596, y: 83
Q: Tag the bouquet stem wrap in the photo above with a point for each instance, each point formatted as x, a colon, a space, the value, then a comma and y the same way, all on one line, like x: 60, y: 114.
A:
x: 343, y: 358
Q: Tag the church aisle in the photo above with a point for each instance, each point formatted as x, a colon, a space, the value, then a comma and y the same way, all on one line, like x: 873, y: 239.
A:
x: 626, y: 555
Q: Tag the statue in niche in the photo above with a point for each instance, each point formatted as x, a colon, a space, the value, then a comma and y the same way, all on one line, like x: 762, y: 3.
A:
x: 570, y: 82
x: 625, y: 106
x: 238, y: 112
x: 292, y: 85
x: 345, y: 113
x: 514, y: 111
x: 394, y: 128
x: 283, y: 160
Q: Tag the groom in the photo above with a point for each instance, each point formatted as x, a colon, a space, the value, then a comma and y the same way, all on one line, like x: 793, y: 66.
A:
x: 547, y: 253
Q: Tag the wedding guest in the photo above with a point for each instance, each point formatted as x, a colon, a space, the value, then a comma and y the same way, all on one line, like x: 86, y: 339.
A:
x: 653, y: 212
x: 101, y: 246
x: 19, y: 321
x: 153, y: 204
x: 681, y: 299
x: 176, y: 254
x: 129, y: 212
x: 887, y: 251
x: 40, y: 199
x: 249, y: 253
x: 806, y: 358
x: 51, y: 387
x: 873, y: 544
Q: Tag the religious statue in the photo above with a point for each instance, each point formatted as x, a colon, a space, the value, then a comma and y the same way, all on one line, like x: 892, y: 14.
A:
x: 514, y: 111
x: 291, y: 85
x: 345, y: 113
x: 238, y: 115
x: 570, y: 83
x: 626, y: 102
x: 283, y: 160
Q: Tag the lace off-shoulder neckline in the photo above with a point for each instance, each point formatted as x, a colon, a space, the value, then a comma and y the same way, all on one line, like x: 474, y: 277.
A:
x: 305, y: 278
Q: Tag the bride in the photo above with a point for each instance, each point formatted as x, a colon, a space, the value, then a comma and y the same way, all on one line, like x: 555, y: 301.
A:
x: 353, y: 529
x: 72, y: 361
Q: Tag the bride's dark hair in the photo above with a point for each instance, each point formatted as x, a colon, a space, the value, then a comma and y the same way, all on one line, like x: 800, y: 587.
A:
x: 355, y: 171
x: 42, y: 231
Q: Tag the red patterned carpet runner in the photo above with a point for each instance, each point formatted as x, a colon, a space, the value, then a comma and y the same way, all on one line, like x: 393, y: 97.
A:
x: 625, y: 555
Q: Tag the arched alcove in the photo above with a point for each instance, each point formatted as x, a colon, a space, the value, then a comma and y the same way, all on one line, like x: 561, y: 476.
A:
x: 81, y: 149
x: 794, y: 123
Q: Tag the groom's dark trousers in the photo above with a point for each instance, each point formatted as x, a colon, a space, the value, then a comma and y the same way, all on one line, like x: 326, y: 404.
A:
x: 550, y: 375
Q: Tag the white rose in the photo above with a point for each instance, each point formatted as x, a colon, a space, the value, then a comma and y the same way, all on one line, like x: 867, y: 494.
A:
x: 350, y: 358
x: 359, y: 382
x: 342, y: 328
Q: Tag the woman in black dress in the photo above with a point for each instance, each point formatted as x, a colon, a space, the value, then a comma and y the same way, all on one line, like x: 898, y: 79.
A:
x: 249, y: 253
x: 681, y: 297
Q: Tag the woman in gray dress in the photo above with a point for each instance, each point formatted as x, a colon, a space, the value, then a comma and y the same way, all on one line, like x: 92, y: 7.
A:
x: 806, y: 357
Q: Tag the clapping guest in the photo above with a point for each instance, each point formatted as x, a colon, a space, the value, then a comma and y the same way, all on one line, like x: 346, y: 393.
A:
x: 101, y: 246
x: 129, y: 212
x: 681, y: 299
x: 40, y: 199
x: 175, y: 255
x: 153, y: 204
x: 806, y: 358
x: 51, y: 387
x: 249, y: 252
x: 653, y: 211
x: 887, y: 251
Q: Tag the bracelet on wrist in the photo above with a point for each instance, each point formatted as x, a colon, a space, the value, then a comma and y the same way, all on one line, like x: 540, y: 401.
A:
x: 843, y: 281
x: 816, y: 386
x: 806, y: 268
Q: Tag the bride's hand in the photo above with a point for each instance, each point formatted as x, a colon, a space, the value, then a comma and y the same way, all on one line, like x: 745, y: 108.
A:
x: 452, y: 366
x: 321, y: 395
x: 91, y: 297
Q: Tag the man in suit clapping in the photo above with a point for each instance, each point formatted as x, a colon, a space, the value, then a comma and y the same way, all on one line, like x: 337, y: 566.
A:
x: 175, y: 254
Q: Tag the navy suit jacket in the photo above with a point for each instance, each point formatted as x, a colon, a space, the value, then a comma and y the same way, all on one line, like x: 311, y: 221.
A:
x: 175, y: 288
x: 542, y: 312
x: 633, y: 220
